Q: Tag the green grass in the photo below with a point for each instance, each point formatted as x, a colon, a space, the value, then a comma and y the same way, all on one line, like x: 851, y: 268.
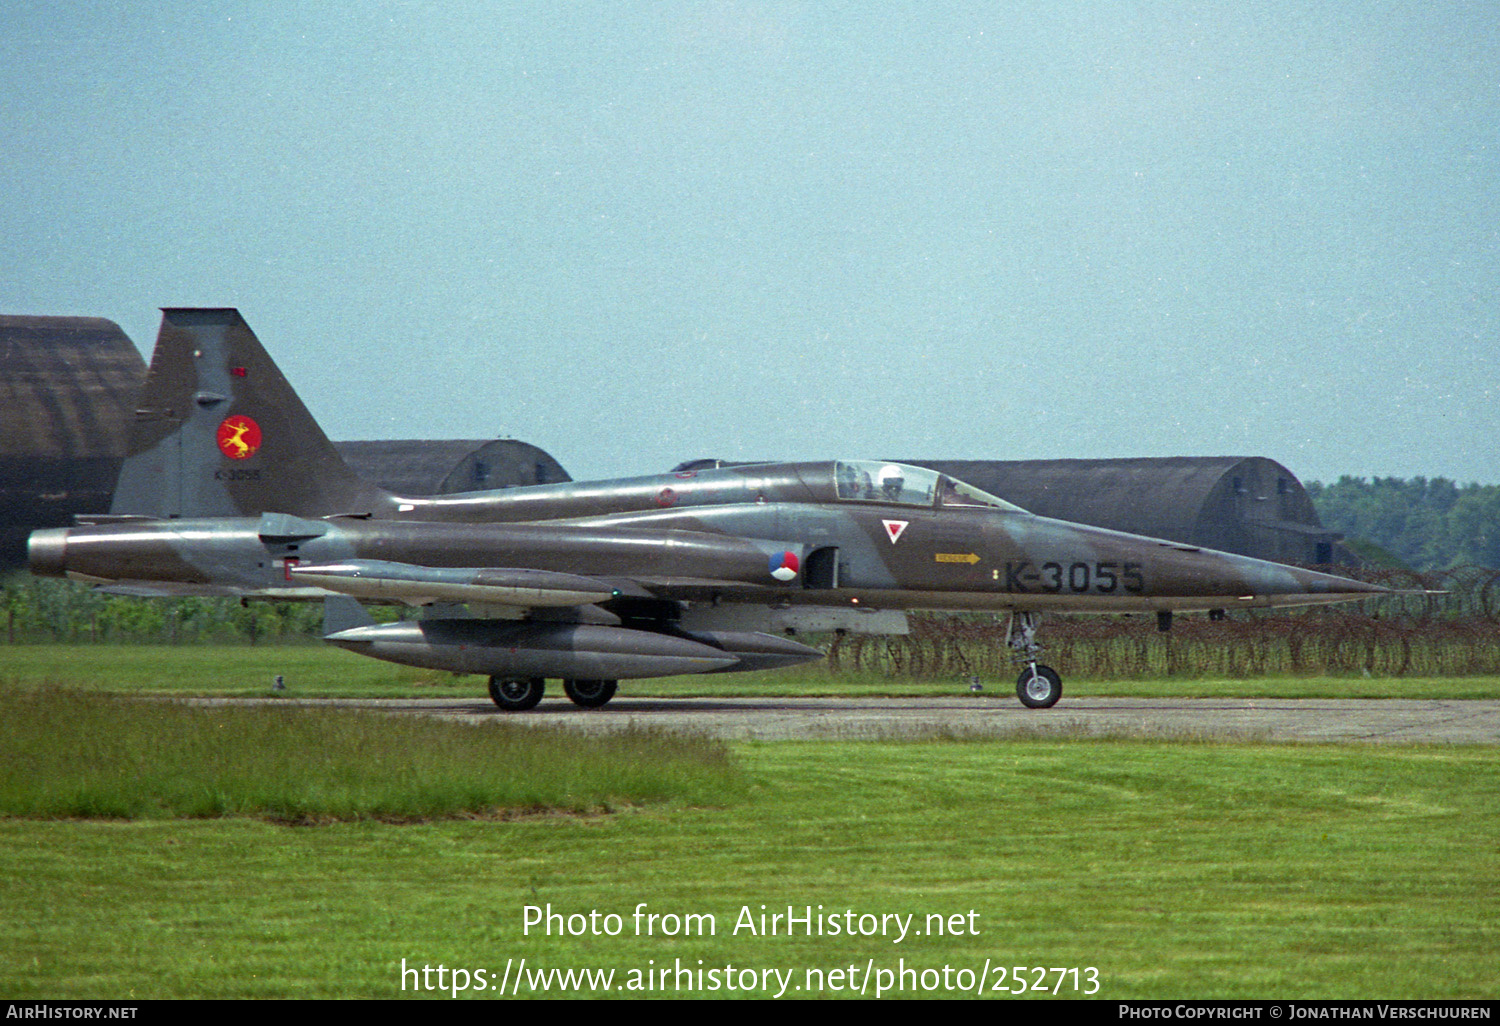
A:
x: 1178, y: 870
x: 319, y: 671
x: 89, y: 755
x: 308, y: 669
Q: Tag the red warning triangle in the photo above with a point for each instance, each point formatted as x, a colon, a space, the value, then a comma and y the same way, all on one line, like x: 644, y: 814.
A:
x: 894, y: 528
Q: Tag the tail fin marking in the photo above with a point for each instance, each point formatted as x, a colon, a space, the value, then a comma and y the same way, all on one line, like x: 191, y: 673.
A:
x: 219, y: 431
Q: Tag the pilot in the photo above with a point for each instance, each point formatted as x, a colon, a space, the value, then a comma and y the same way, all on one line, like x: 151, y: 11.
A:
x: 892, y: 481
x: 848, y: 483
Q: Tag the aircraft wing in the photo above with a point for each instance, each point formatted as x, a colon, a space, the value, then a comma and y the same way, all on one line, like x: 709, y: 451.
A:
x: 593, y: 645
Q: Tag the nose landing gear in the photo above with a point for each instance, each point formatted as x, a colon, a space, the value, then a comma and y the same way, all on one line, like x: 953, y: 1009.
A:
x: 1038, y: 687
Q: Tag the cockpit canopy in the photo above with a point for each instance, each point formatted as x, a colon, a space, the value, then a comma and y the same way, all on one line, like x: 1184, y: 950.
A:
x: 905, y: 485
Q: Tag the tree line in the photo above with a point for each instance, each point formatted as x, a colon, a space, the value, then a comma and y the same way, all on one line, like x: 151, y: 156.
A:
x: 1424, y: 524
x: 39, y: 609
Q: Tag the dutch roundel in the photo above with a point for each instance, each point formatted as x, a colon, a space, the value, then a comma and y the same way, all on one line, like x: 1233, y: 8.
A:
x: 784, y: 566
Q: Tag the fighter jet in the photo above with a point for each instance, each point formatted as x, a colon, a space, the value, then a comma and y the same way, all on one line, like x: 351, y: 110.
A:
x: 231, y: 488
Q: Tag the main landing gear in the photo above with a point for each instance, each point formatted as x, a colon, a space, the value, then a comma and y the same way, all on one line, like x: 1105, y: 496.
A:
x: 1038, y: 687
x: 590, y: 694
x: 517, y: 694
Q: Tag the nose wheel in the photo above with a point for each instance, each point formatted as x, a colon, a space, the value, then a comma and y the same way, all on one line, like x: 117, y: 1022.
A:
x: 1039, y: 687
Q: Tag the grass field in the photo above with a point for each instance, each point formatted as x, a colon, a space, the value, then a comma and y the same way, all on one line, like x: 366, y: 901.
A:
x: 320, y: 671
x: 81, y: 754
x: 1174, y: 868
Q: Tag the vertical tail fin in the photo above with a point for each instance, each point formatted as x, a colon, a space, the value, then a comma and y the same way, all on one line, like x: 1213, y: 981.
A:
x: 220, y: 432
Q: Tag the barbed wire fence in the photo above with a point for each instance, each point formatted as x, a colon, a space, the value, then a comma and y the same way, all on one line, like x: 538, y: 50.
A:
x: 1446, y: 624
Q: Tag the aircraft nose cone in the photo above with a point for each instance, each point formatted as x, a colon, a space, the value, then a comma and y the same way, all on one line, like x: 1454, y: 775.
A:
x: 1330, y: 584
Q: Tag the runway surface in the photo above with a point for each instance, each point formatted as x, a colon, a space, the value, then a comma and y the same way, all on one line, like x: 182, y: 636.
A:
x: 774, y: 719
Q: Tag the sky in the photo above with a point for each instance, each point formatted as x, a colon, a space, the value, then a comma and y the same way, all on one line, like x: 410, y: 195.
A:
x: 636, y: 233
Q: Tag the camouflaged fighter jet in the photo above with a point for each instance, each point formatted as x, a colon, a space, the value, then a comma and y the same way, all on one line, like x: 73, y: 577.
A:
x: 231, y: 488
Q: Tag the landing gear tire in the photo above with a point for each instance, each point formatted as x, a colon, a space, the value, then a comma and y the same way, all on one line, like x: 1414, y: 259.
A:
x: 517, y: 694
x: 590, y: 694
x: 1039, y: 687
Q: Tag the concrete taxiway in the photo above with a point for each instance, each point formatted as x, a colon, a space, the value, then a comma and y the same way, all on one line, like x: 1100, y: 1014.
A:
x: 1385, y: 721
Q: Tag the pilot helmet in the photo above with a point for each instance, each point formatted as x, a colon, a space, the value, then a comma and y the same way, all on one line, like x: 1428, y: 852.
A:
x: 892, y: 479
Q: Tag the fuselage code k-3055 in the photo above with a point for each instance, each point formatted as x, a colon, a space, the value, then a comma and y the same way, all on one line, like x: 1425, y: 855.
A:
x: 1080, y: 577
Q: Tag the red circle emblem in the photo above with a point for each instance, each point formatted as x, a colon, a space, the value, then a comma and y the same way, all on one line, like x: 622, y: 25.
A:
x: 666, y: 497
x: 239, y: 437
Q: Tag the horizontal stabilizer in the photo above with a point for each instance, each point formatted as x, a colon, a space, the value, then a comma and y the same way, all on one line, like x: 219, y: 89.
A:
x: 283, y: 529
x: 422, y: 585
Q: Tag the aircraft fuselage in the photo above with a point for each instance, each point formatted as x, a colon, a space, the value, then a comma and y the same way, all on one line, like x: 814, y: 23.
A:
x: 864, y: 553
